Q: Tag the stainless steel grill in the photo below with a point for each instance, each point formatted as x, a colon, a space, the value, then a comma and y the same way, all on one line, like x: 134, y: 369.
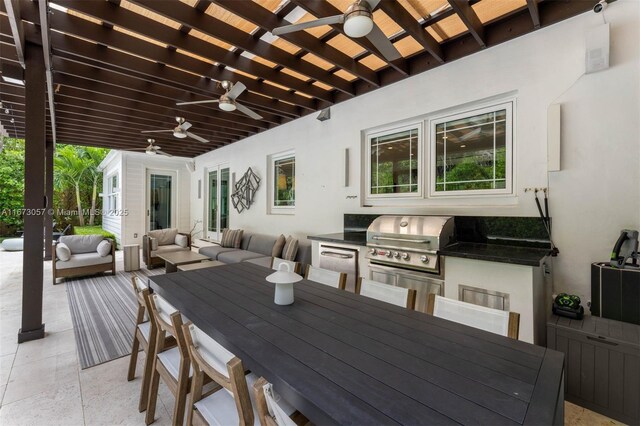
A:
x: 409, y: 242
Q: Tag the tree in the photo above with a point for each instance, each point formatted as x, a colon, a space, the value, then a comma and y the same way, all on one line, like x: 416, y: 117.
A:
x: 11, y: 185
x: 71, y: 164
x: 94, y: 157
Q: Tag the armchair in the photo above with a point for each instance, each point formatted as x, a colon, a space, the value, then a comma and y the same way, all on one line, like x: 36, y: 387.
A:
x: 163, y: 241
x: 76, y: 255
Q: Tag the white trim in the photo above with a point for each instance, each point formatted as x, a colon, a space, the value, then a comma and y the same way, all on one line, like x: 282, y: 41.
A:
x: 271, y: 159
x: 507, y: 104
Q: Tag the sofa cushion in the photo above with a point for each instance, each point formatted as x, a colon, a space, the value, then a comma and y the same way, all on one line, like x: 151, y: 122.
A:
x: 213, y: 251
x: 83, y: 259
x: 182, y: 240
x: 79, y: 244
x: 238, y: 256
x: 262, y: 244
x: 290, y: 249
x: 231, y: 238
x: 62, y: 252
x: 167, y: 249
x: 104, y: 248
x: 278, y: 246
x: 153, y: 243
x: 304, y: 254
x: 164, y: 236
x: 262, y: 261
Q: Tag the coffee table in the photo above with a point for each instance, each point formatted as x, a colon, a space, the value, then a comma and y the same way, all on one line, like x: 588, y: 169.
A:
x: 173, y: 259
x: 200, y: 265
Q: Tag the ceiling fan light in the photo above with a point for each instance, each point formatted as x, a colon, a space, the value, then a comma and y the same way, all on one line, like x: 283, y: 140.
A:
x: 179, y: 135
x: 227, y: 106
x: 358, y: 25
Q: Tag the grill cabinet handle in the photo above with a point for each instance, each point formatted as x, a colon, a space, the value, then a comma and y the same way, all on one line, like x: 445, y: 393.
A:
x: 602, y: 340
x: 334, y: 254
x: 406, y: 240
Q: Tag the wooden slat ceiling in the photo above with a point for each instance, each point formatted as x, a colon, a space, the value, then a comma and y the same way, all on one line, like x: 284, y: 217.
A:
x: 121, y: 65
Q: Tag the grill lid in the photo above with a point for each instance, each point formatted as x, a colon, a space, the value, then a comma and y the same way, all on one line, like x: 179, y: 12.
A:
x: 424, y: 233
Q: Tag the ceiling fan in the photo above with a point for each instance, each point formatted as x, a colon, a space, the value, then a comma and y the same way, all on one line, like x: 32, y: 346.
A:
x: 357, y: 22
x: 227, y: 102
x: 180, y: 131
x: 151, y: 149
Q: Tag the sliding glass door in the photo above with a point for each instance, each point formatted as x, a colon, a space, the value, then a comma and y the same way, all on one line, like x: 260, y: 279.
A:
x: 218, y: 201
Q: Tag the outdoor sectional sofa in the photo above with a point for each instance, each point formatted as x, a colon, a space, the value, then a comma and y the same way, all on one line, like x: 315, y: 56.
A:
x: 254, y: 248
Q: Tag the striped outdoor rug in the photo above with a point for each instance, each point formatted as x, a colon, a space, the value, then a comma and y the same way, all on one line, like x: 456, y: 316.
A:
x: 103, y: 311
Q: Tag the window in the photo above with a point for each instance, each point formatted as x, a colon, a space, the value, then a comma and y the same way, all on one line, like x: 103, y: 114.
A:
x: 283, y: 182
x: 471, y: 152
x: 112, y: 193
x: 394, y: 162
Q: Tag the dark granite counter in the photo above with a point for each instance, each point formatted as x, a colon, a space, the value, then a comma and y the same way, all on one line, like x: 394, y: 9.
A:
x: 351, y: 238
x: 528, y: 256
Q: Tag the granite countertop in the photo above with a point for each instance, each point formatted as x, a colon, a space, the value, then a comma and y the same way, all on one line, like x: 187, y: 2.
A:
x: 528, y: 256
x: 350, y: 238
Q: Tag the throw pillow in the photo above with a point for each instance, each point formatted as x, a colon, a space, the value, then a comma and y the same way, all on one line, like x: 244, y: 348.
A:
x: 290, y: 249
x: 182, y: 240
x: 231, y: 238
x: 278, y: 246
x: 62, y: 252
x: 104, y: 248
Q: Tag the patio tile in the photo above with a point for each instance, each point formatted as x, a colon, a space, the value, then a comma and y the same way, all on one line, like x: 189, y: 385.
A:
x: 6, y: 362
x: 59, y: 405
x: 52, y: 344
x: 43, y: 375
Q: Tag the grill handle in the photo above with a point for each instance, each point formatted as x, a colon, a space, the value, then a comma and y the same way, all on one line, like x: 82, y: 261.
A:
x: 334, y: 254
x: 405, y: 240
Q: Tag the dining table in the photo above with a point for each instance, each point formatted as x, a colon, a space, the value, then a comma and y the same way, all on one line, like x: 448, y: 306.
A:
x: 342, y: 358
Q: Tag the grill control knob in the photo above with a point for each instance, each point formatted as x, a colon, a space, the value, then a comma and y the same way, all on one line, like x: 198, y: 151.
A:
x: 405, y: 256
x: 396, y: 254
x: 387, y: 253
x: 372, y: 251
x: 424, y: 259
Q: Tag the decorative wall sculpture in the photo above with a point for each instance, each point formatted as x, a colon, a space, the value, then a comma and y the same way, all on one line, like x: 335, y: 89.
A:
x: 244, y: 190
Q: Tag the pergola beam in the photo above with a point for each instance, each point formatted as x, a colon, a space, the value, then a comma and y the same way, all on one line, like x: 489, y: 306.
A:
x: 43, y: 8
x: 532, y: 5
x: 469, y: 18
x: 12, y: 7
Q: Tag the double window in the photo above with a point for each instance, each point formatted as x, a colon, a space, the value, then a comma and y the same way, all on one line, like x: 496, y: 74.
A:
x: 467, y: 153
x: 283, y: 182
x: 113, y: 190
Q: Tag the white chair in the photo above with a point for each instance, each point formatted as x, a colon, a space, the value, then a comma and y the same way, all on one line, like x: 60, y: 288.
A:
x: 399, y: 296
x: 495, y: 321
x: 273, y: 410
x: 324, y: 276
x: 230, y: 405
x: 276, y: 262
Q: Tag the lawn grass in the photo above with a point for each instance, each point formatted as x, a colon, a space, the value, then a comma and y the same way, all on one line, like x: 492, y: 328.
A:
x: 92, y: 230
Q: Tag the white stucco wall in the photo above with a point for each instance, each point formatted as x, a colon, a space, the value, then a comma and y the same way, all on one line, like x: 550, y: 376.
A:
x: 596, y: 194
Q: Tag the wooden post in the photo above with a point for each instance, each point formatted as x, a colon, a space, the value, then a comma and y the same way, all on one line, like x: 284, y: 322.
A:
x: 34, y: 191
x: 48, y: 217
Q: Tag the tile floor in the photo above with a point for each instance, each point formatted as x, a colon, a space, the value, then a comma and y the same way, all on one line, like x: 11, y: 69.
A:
x: 41, y: 382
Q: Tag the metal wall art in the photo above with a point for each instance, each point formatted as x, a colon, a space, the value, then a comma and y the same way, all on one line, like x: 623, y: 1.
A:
x: 244, y: 190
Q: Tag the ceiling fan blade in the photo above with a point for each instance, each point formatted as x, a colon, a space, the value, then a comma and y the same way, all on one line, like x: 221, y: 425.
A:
x: 196, y: 137
x: 135, y: 149
x: 198, y: 102
x: 163, y: 153
x: 382, y: 43
x: 329, y: 20
x: 236, y: 90
x: 243, y: 109
x: 186, y: 125
x: 373, y: 4
x: 156, y: 131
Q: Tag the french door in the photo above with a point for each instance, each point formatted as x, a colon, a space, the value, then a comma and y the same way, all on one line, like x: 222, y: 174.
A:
x: 218, y: 188
x: 161, y: 199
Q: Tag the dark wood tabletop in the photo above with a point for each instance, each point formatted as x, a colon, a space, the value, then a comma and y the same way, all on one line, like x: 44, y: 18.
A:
x: 341, y: 358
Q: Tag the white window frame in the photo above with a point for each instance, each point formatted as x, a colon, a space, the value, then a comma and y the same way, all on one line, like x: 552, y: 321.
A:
x: 273, y: 209
x: 374, y: 133
x: 113, y: 193
x: 506, y: 104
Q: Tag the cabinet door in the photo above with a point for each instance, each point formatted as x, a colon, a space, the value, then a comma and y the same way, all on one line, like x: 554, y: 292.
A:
x: 423, y: 287
x: 383, y: 276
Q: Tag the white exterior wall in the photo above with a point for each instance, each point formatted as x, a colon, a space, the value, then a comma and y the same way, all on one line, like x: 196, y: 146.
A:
x: 111, y: 164
x: 596, y: 193
x: 133, y: 183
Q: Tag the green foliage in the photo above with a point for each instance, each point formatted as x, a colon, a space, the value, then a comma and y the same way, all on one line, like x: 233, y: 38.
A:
x: 11, y: 184
x: 92, y: 230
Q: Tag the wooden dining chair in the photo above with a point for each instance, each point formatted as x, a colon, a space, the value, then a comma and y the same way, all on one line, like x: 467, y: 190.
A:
x: 493, y: 320
x: 276, y: 262
x: 231, y: 404
x: 141, y: 335
x: 326, y: 277
x: 172, y: 364
x: 399, y: 296
x: 272, y: 409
